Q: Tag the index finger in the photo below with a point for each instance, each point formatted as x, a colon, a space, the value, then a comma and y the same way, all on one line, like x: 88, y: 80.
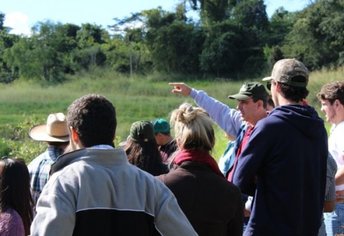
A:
x: 175, y: 84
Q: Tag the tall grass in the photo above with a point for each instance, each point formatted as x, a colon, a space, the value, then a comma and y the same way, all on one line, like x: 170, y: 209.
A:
x: 24, y: 104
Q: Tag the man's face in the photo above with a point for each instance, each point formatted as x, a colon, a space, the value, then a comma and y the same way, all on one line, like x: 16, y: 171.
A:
x: 158, y: 137
x: 329, y: 110
x: 248, y: 109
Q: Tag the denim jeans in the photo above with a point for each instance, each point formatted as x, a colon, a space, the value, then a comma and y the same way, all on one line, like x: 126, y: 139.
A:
x: 334, y: 221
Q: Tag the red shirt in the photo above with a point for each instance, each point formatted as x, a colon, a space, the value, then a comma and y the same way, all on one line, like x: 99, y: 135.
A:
x: 241, y: 147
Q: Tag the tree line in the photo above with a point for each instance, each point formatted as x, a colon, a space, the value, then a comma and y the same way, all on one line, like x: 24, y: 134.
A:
x: 231, y: 39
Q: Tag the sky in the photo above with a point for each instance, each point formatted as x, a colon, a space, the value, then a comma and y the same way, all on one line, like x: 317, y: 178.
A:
x: 21, y: 15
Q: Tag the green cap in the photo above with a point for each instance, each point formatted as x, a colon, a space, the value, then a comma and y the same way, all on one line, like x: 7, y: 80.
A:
x: 161, y: 126
x: 291, y: 72
x: 253, y: 90
x: 141, y: 131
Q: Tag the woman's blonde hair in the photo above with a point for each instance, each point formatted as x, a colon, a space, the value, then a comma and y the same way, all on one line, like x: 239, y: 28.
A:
x: 193, y: 128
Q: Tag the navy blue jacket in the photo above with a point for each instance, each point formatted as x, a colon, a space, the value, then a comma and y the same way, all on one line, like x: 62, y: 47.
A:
x: 284, y: 167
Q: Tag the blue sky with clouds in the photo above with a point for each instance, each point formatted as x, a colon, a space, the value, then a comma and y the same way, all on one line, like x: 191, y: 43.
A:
x: 21, y: 15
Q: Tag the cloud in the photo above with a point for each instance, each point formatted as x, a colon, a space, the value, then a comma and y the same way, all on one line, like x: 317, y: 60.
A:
x: 18, y: 22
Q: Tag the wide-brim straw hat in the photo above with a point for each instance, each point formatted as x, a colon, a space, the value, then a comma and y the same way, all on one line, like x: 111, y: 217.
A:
x: 55, y: 130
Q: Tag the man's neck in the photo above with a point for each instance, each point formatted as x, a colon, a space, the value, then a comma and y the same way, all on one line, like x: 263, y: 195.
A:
x: 339, y: 119
x: 260, y: 116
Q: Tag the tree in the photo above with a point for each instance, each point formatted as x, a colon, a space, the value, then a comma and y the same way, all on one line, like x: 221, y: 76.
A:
x: 211, y: 11
x: 281, y: 23
x: 318, y: 34
x: 2, y: 19
x: 175, y: 44
x: 6, y: 41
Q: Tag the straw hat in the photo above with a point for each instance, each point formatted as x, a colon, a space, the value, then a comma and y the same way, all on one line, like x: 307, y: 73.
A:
x: 54, y: 131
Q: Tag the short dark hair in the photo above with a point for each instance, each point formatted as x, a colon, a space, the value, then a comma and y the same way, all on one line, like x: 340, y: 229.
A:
x: 264, y: 99
x: 294, y: 93
x: 332, y: 91
x: 94, y: 119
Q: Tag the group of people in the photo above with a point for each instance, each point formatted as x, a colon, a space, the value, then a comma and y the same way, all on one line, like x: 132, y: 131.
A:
x: 278, y: 176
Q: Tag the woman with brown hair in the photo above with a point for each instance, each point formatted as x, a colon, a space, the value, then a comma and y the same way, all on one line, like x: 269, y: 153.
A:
x: 211, y: 203
x: 15, y: 198
x: 142, y: 149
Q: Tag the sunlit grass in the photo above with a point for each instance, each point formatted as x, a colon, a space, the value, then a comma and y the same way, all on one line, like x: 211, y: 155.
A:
x: 137, y: 98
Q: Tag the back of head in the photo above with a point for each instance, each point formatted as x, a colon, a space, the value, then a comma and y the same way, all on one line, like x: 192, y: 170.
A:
x: 142, y: 131
x: 293, y: 77
x: 162, y: 126
x: 15, y: 189
x: 332, y: 91
x: 193, y: 128
x: 142, y: 149
x: 94, y: 119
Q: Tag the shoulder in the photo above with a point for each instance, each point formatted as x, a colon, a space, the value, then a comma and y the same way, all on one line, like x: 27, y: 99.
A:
x: 11, y: 223
x: 41, y: 157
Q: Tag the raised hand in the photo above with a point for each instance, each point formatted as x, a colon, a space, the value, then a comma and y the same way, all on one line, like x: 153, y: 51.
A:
x: 180, y: 88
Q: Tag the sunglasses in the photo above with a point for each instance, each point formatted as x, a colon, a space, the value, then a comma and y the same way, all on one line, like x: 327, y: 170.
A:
x: 268, y: 85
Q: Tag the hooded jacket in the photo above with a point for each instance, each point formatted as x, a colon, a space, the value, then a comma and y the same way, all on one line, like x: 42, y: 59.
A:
x: 284, y: 167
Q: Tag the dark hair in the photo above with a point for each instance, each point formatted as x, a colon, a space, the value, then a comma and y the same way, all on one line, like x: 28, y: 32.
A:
x: 293, y: 93
x: 146, y: 156
x: 94, y: 119
x: 332, y: 91
x: 15, y: 190
x: 264, y: 99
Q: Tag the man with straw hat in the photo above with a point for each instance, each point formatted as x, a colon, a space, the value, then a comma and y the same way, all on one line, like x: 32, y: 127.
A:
x: 55, y: 133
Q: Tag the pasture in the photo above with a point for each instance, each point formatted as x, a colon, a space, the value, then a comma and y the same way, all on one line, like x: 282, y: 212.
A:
x: 27, y: 103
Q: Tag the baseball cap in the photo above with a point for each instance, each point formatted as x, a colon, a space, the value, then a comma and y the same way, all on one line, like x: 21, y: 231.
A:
x: 161, y: 126
x: 141, y: 131
x: 253, y: 90
x: 289, y: 71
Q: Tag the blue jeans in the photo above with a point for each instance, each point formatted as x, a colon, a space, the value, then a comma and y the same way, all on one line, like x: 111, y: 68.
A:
x: 334, y: 221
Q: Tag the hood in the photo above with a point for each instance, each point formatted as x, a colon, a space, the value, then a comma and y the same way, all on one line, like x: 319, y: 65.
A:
x: 303, y: 117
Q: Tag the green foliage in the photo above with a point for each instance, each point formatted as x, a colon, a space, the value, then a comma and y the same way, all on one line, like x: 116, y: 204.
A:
x: 25, y: 104
x: 318, y: 34
x: 4, y: 148
x: 232, y: 39
x: 281, y: 23
x: 174, y: 44
x: 15, y: 140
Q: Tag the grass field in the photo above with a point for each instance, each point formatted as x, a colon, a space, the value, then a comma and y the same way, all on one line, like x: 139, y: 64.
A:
x: 24, y: 104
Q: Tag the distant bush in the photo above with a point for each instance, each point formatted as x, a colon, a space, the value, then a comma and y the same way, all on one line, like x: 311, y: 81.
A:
x: 4, y: 148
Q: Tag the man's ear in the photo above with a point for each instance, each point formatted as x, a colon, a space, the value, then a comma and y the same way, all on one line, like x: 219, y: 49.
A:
x: 74, y: 135
x: 260, y: 103
x: 337, y: 103
x: 278, y: 87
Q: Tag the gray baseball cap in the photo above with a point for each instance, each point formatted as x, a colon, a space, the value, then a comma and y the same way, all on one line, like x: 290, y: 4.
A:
x: 291, y: 72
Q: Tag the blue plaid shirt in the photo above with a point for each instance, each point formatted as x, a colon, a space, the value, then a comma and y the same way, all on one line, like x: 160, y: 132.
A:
x: 39, y: 169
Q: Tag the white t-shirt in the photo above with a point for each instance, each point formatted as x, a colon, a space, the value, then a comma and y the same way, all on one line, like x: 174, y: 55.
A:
x: 336, y: 147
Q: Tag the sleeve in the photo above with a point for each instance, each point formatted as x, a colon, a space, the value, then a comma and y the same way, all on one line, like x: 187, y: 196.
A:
x: 169, y: 218
x: 330, y: 192
x: 251, y: 159
x: 227, y: 118
x: 55, y: 209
